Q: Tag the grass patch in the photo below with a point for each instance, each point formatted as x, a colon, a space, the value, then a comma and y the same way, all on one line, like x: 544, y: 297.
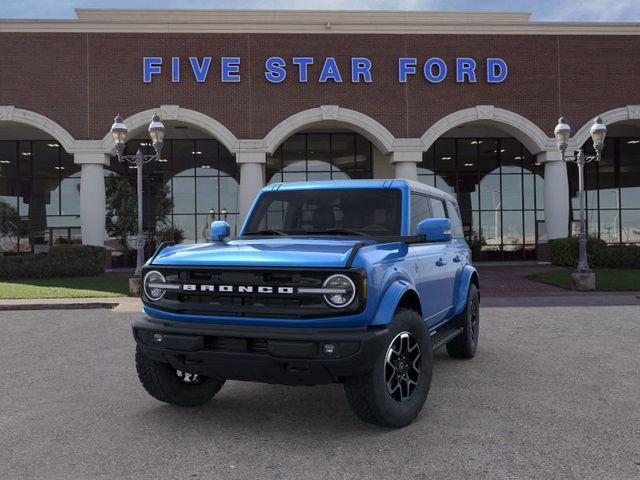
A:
x: 607, y: 279
x: 72, y: 287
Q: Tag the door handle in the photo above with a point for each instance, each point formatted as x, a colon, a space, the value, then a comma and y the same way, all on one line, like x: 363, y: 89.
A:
x: 441, y: 262
x: 457, y: 259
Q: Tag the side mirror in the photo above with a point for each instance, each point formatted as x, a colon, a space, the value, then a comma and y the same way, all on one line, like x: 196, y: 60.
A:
x: 219, y: 230
x: 435, y: 229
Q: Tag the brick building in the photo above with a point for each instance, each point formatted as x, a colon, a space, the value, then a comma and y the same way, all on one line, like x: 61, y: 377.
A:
x: 463, y: 101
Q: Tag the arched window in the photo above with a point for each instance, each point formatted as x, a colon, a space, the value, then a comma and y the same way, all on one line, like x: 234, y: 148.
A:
x: 39, y: 196
x: 499, y: 190
x: 200, y: 178
x: 320, y: 156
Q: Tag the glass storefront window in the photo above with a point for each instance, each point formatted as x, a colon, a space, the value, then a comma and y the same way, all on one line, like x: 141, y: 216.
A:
x: 499, y: 189
x: 192, y: 185
x: 39, y: 196
x: 612, y: 191
x: 320, y: 156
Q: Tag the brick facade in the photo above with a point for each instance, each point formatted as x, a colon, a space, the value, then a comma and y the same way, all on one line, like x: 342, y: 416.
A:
x: 80, y: 80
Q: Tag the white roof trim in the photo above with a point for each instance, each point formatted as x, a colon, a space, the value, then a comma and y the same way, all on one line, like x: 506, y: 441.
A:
x: 312, y: 21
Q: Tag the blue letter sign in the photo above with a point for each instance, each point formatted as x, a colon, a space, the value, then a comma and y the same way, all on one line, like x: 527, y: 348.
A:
x: 406, y: 66
x: 360, y: 67
x: 151, y: 66
x: 428, y: 70
x: 230, y: 69
x: 200, y: 71
x: 330, y: 71
x: 434, y: 69
x: 303, y: 67
x: 275, y: 69
x: 496, y: 70
x: 465, y: 67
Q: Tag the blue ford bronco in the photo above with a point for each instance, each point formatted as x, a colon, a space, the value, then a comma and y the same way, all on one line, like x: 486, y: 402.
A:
x: 354, y: 281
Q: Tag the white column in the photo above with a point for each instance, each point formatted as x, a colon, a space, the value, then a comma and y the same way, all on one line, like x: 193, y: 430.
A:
x: 406, y: 164
x: 92, y: 197
x: 556, y: 194
x: 251, y: 179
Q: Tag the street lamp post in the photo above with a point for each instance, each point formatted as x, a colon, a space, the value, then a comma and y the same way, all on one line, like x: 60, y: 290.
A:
x: 156, y: 133
x: 562, y: 133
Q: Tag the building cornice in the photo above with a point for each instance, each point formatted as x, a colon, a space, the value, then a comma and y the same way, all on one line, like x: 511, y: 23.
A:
x: 314, y: 22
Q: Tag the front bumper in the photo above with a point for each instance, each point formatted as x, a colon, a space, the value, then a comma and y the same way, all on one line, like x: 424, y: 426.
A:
x: 288, y: 356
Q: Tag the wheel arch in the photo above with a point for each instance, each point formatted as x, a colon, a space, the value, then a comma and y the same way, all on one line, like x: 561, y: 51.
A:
x: 400, y: 293
x: 469, y: 275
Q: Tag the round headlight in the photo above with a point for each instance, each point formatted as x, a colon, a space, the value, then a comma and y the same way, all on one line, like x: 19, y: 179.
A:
x: 345, y: 291
x: 151, y: 288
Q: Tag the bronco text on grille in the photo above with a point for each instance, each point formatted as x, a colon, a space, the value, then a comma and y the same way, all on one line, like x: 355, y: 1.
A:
x: 297, y: 293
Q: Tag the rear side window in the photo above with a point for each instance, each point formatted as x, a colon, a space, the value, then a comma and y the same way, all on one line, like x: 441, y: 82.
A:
x: 437, y: 206
x: 456, y: 222
x: 419, y: 211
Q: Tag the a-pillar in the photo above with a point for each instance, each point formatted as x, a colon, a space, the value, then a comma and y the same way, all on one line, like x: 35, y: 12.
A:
x: 251, y: 179
x: 92, y: 196
x: 406, y: 164
x: 556, y: 194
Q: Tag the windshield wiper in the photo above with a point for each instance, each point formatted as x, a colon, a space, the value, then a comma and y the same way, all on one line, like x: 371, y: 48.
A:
x: 268, y: 232
x: 340, y: 231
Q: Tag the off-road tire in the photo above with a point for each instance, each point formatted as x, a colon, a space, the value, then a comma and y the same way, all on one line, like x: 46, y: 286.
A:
x: 162, y: 382
x: 368, y: 395
x: 466, y: 344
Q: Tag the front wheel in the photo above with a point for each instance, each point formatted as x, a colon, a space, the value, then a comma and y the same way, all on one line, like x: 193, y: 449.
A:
x: 395, y: 390
x: 169, y: 385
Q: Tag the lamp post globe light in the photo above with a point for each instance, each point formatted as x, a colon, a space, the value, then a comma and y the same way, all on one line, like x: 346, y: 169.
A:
x: 583, y: 278
x: 119, y: 133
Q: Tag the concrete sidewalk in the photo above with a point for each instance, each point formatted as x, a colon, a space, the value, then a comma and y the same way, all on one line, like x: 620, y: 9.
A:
x: 121, y: 304
x: 134, y: 305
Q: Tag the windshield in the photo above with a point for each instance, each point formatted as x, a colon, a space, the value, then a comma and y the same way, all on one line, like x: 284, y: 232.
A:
x: 356, y: 211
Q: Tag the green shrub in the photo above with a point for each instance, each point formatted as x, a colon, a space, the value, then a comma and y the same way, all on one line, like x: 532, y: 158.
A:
x: 564, y: 251
x: 61, y: 261
x: 618, y: 256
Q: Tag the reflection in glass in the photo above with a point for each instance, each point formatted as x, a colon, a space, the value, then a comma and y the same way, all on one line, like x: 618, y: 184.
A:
x: 39, y: 195
x: 610, y: 226
x: 320, y: 156
x: 512, y: 230
x: 500, y: 200
x: 512, y: 191
x: 630, y: 222
x: 612, y: 187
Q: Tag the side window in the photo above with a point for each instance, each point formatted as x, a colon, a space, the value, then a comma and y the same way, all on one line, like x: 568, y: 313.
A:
x: 419, y: 211
x: 456, y: 222
x: 437, y: 206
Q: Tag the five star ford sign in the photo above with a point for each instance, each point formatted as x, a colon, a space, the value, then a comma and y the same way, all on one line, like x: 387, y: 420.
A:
x: 361, y: 69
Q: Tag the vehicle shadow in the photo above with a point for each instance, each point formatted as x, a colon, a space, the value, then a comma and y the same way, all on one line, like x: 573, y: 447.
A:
x: 261, y: 409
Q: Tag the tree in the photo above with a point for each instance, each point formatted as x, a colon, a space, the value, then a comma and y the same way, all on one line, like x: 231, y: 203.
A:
x: 9, y: 221
x: 122, y: 208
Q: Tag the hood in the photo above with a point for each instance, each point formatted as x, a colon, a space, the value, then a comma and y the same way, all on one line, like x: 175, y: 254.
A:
x: 263, y: 252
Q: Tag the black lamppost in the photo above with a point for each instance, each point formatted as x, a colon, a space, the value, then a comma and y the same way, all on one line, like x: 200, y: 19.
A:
x: 562, y: 133
x: 156, y: 132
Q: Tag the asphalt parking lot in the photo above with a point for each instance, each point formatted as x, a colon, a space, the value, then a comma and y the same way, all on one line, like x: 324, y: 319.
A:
x: 554, y: 392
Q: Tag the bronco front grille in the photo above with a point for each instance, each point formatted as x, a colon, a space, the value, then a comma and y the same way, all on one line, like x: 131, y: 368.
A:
x: 280, y: 302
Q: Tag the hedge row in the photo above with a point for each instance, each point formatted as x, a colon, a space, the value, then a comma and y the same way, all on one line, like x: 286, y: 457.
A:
x: 61, y: 261
x: 564, y: 252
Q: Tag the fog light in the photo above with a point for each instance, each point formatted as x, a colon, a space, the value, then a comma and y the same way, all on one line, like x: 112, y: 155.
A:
x: 329, y: 348
x: 157, y: 338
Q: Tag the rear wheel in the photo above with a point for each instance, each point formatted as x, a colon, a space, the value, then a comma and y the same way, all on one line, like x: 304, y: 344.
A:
x: 394, y: 391
x: 176, y: 387
x: 466, y: 344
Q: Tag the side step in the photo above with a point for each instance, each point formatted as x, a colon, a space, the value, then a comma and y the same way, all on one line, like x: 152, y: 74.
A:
x: 444, y: 335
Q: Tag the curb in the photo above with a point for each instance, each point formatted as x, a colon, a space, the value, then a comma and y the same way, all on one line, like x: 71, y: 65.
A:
x: 57, y: 306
